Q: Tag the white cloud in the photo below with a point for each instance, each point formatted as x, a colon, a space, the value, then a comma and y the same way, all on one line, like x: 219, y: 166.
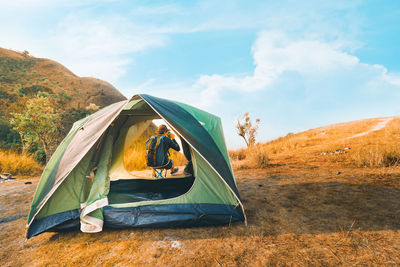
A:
x: 274, y: 53
x: 390, y: 78
x: 299, y: 83
x: 100, y: 47
x: 320, y: 65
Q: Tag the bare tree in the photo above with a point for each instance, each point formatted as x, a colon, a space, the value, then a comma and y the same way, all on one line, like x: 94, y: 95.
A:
x: 247, y: 130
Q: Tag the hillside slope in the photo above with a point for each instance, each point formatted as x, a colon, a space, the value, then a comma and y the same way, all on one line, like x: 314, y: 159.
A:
x: 364, y: 143
x: 23, y: 78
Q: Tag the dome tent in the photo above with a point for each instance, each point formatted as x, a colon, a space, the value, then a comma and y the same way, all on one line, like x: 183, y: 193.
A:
x: 66, y: 198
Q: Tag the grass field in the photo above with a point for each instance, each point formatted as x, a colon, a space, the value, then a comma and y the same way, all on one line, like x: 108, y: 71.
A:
x: 305, y: 206
x: 16, y: 163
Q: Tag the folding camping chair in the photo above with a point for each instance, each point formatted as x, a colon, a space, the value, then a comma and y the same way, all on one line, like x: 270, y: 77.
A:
x: 158, y: 172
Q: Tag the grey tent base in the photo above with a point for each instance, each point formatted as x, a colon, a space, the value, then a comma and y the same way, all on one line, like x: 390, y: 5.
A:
x: 152, y: 216
x: 172, y: 215
x: 55, y: 223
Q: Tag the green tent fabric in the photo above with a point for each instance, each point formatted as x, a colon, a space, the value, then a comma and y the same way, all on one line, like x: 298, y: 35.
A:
x: 76, y: 192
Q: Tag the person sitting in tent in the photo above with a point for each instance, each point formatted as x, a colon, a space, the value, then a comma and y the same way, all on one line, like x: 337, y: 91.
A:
x: 157, y: 148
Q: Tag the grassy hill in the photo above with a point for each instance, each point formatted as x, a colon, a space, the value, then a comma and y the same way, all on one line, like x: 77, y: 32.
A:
x: 24, y: 75
x: 365, y: 143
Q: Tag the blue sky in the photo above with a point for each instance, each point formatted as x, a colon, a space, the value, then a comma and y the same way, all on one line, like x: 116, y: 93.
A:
x: 294, y: 64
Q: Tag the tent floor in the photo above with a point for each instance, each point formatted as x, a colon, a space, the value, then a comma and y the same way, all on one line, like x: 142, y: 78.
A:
x: 136, y: 190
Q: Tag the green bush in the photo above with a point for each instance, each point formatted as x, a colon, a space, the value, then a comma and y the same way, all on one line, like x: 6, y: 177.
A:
x: 13, y: 65
x: 13, y: 70
x: 5, y: 95
x: 9, y: 139
x: 33, y: 90
x: 63, y: 96
x: 38, y: 153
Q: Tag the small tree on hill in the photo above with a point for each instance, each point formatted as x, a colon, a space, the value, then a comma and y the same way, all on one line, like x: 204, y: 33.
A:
x: 40, y: 122
x: 25, y: 53
x: 247, y: 130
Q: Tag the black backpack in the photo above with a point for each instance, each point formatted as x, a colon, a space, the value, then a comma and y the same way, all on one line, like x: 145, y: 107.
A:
x: 151, y: 149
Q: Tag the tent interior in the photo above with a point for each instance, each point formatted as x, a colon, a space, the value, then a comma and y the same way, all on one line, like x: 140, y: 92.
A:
x: 130, y: 131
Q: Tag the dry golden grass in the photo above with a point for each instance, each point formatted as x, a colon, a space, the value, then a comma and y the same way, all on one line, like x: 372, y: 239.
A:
x: 379, y: 148
x: 252, y: 157
x: 135, y: 156
x: 18, y: 164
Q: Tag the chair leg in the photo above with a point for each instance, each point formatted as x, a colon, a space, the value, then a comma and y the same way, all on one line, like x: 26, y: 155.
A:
x: 158, y: 173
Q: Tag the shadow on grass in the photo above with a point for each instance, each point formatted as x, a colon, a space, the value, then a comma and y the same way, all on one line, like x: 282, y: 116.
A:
x: 326, y: 207
x: 303, y: 208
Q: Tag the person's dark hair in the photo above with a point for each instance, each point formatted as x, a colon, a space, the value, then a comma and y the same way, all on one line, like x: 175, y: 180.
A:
x: 162, y: 129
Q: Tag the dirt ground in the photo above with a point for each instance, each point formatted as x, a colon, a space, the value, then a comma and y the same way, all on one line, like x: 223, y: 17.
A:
x: 297, y: 215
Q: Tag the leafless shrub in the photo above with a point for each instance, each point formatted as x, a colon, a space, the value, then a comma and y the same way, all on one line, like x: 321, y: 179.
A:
x: 247, y: 130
